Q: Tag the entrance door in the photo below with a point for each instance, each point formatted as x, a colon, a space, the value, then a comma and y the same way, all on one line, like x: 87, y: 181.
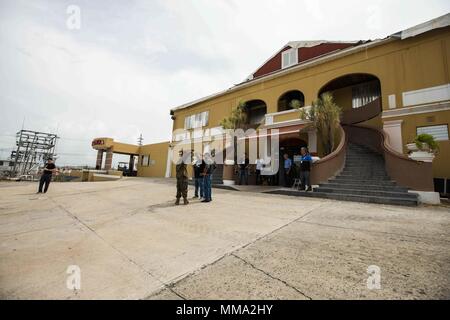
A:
x: 292, y: 147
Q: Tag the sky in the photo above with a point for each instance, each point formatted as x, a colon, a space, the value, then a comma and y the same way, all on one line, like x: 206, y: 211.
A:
x: 131, y: 61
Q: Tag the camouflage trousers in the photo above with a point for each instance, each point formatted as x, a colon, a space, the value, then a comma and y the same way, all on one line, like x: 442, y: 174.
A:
x: 182, y: 188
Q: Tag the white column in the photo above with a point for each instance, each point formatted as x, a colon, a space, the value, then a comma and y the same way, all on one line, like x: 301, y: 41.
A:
x: 169, y: 163
x: 312, y: 141
x: 393, y: 130
x: 392, y: 101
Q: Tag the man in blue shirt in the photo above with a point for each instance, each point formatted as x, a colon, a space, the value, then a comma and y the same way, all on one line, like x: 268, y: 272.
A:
x: 287, y: 170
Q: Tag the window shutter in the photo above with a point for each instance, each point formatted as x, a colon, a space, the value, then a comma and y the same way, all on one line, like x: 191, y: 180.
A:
x: 440, y: 133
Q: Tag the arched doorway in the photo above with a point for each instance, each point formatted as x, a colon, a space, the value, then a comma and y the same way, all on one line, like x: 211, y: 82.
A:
x: 353, y: 91
x: 256, y: 111
x: 289, y: 145
x: 288, y: 99
x: 358, y: 95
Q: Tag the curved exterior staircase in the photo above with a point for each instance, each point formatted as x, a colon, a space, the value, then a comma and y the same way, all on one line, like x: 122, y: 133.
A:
x: 364, y: 179
x: 361, y: 168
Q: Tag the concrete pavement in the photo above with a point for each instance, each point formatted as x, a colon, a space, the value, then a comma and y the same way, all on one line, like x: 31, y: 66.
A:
x: 130, y: 242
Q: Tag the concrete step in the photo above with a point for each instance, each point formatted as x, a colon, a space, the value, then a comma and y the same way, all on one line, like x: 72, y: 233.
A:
x: 363, y: 181
x: 363, y: 156
x: 366, y: 192
x: 360, y: 171
x: 347, y: 197
x: 337, y: 185
x: 363, y: 176
x: 363, y: 160
x: 364, y: 169
x: 361, y: 163
x: 363, y: 173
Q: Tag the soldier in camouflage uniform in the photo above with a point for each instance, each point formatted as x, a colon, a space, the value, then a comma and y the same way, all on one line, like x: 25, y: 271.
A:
x: 182, y: 180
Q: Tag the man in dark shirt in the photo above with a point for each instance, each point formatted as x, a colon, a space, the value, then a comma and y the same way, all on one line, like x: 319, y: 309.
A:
x: 208, y: 170
x: 199, y: 167
x: 46, y: 176
x: 305, y: 168
x: 243, y: 171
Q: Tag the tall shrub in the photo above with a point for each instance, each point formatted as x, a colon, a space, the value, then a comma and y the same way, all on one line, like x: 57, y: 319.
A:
x: 325, y: 116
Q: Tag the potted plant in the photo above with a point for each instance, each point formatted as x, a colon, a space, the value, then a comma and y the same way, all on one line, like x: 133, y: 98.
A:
x: 423, y: 148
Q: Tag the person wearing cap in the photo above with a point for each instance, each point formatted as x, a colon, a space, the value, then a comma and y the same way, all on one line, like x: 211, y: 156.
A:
x: 46, y: 177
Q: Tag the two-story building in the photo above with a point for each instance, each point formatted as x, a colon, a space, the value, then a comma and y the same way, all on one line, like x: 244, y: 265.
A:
x: 395, y: 88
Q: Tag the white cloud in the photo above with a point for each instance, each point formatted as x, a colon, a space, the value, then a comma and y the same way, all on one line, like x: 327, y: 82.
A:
x: 374, y: 17
x: 313, y: 8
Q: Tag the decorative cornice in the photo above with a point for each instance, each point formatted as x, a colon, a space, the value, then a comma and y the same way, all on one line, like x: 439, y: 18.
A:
x: 406, y: 111
x: 286, y: 123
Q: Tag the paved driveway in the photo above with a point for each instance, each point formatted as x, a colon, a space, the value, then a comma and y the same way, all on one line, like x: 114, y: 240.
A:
x: 130, y: 242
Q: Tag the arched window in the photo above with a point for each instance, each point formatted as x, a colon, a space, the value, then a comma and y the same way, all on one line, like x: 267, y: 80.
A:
x: 256, y: 111
x: 290, y: 100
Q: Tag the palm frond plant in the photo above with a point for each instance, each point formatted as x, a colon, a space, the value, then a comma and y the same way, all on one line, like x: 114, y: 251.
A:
x: 325, y: 116
x: 295, y: 104
x: 237, y: 118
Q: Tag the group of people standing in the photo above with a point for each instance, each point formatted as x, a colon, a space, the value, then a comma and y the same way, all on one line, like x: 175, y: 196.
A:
x: 203, y: 171
x: 204, y: 167
x: 243, y: 170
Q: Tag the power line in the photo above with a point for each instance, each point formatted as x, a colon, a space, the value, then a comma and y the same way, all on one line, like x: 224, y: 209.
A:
x: 62, y: 138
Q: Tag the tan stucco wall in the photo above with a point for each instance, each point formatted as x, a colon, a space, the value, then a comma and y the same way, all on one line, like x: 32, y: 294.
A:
x: 343, y: 98
x: 125, y: 148
x: 441, y: 164
x: 286, y: 116
x: 116, y: 147
x: 158, y: 153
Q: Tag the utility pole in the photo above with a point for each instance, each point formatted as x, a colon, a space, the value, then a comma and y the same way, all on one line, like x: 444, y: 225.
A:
x: 140, y: 139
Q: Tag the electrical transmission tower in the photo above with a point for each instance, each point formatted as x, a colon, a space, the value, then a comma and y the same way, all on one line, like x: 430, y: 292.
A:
x: 33, y: 149
x: 140, y: 139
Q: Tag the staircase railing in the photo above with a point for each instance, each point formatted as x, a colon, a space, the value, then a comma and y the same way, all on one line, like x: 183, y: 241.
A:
x: 330, y: 165
x: 416, y: 175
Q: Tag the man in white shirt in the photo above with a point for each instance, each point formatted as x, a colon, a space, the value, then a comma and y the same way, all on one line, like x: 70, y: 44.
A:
x: 259, y: 166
